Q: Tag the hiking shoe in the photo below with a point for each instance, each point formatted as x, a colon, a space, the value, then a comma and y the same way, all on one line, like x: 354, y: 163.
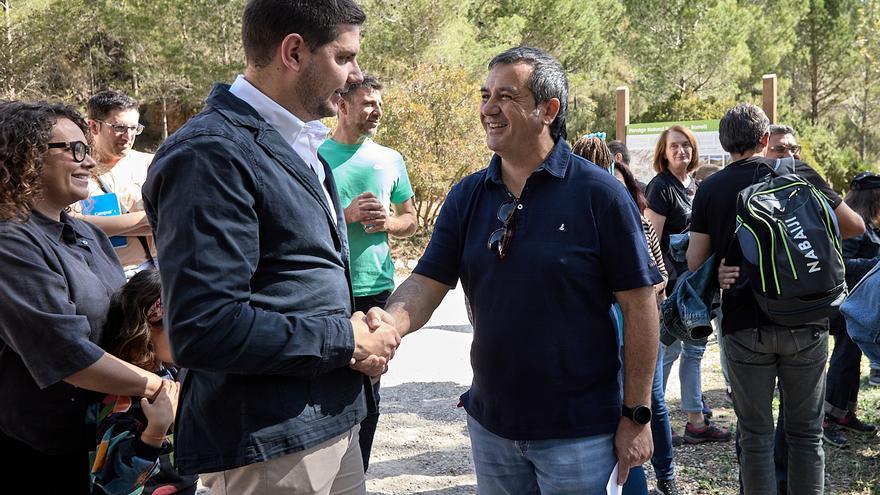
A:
x: 668, y: 487
x: 709, y: 432
x: 852, y: 422
x: 677, y: 439
x: 874, y: 377
x: 832, y: 435
x: 707, y: 411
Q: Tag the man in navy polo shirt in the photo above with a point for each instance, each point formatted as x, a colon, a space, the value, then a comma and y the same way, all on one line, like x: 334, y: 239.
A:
x: 543, y: 242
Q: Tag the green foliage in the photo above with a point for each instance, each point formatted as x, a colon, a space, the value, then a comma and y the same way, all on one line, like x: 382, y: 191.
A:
x: 824, y: 56
x: 684, y: 47
x: 686, y: 107
x: 681, y: 59
x: 432, y: 119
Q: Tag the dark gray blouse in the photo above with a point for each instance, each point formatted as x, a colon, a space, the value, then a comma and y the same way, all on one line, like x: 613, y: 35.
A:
x: 56, y: 279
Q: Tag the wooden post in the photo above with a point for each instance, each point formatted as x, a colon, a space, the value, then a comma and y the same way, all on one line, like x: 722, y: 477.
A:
x: 769, y: 100
x: 622, y: 113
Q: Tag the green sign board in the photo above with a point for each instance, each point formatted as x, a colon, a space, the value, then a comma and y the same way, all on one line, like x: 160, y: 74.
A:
x: 658, y: 127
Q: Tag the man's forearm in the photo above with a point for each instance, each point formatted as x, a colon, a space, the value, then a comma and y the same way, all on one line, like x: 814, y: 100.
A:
x: 640, y: 342
x: 128, y: 224
x: 413, y: 303
x: 402, y: 226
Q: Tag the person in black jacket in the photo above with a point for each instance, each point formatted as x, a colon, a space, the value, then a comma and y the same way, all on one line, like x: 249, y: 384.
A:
x: 255, y: 266
x: 859, y: 255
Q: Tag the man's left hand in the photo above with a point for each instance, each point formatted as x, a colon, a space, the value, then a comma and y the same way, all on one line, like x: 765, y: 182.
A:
x: 633, y: 445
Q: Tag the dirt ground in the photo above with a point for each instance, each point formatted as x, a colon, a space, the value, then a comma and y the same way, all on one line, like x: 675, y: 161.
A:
x: 422, y: 444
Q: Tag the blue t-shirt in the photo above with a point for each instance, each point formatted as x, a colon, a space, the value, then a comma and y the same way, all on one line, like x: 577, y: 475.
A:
x: 545, y: 351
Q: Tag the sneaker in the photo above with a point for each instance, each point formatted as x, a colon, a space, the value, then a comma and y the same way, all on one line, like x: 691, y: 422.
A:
x: 852, y: 422
x: 874, y: 377
x: 668, y: 487
x: 832, y: 435
x: 710, y: 432
x: 707, y: 411
x: 677, y: 439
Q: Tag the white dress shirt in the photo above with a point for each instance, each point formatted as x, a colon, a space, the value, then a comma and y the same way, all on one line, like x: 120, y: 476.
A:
x: 304, y: 137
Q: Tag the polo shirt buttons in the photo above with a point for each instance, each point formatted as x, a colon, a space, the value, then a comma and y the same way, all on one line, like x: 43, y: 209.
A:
x: 84, y: 242
x: 519, y: 206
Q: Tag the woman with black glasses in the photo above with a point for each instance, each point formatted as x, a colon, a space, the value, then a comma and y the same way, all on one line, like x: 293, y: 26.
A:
x: 58, y: 275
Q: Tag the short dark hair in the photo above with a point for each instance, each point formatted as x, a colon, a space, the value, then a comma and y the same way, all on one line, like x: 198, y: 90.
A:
x: 102, y: 103
x: 781, y: 130
x: 547, y: 81
x: 742, y: 128
x: 370, y: 82
x: 619, y: 147
x: 265, y: 23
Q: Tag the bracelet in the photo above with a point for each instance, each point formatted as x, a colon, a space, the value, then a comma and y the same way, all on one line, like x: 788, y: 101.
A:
x: 160, y: 439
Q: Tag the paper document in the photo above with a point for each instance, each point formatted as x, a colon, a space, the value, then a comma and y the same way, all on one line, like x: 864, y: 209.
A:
x: 613, y: 488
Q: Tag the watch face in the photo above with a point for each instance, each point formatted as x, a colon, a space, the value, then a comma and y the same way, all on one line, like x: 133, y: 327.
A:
x: 642, y: 415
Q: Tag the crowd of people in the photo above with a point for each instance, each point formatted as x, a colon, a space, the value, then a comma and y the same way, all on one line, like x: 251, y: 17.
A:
x: 222, y: 311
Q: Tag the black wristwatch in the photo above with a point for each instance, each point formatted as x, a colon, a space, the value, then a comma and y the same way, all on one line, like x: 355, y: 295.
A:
x: 640, y: 414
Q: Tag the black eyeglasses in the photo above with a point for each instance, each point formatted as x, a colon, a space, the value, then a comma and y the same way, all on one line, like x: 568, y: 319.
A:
x: 499, y: 240
x: 80, y: 149
x: 122, y: 128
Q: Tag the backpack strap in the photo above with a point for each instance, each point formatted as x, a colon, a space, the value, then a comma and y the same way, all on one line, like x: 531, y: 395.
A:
x: 141, y: 239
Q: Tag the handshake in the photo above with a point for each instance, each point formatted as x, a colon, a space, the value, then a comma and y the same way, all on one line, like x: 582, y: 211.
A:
x: 375, y: 340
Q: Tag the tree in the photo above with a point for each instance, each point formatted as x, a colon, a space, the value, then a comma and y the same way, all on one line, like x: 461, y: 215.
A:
x: 825, y: 56
x: 432, y: 119
x: 863, y: 104
x: 685, y: 48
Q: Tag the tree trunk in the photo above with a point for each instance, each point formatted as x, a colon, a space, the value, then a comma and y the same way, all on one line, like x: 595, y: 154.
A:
x: 8, y: 23
x: 863, y: 128
x: 164, y: 118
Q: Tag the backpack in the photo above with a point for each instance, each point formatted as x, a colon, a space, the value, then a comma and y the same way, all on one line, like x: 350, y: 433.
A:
x: 790, y: 243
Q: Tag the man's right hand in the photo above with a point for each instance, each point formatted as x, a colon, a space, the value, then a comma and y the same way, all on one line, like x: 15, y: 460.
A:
x: 376, y: 341
x: 364, y: 208
x: 727, y: 275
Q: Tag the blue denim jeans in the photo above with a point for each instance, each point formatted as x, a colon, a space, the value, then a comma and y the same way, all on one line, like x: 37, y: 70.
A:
x: 797, y: 356
x: 688, y: 373
x: 545, y: 467
x: 661, y: 430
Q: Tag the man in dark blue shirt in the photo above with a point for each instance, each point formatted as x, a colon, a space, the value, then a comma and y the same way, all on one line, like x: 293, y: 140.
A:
x: 543, y: 242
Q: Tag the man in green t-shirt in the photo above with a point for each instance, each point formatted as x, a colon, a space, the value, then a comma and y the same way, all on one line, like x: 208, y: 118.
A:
x: 371, y: 180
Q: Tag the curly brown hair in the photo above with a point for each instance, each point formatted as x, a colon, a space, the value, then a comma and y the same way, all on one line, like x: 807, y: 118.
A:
x: 25, y: 128
x: 127, y: 333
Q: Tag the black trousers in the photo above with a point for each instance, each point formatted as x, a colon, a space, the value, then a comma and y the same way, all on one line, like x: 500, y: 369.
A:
x: 842, y: 381
x: 369, y: 424
x: 45, y: 473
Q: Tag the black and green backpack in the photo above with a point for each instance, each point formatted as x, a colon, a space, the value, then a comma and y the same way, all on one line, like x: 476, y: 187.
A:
x: 790, y: 242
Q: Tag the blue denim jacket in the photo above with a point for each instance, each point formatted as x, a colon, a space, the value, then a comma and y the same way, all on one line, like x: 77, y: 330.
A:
x: 862, y: 312
x: 255, y: 276
x: 686, y: 313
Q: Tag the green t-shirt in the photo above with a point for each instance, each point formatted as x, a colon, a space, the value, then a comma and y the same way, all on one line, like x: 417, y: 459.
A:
x: 358, y: 168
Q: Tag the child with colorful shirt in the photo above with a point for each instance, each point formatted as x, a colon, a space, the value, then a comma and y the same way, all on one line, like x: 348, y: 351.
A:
x: 134, y: 450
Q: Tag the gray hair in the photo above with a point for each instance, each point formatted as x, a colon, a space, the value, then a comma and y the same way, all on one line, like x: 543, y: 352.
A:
x: 547, y: 81
x: 781, y: 130
x: 742, y: 128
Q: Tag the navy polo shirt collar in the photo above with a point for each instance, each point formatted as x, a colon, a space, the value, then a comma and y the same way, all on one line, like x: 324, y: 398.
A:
x: 556, y: 163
